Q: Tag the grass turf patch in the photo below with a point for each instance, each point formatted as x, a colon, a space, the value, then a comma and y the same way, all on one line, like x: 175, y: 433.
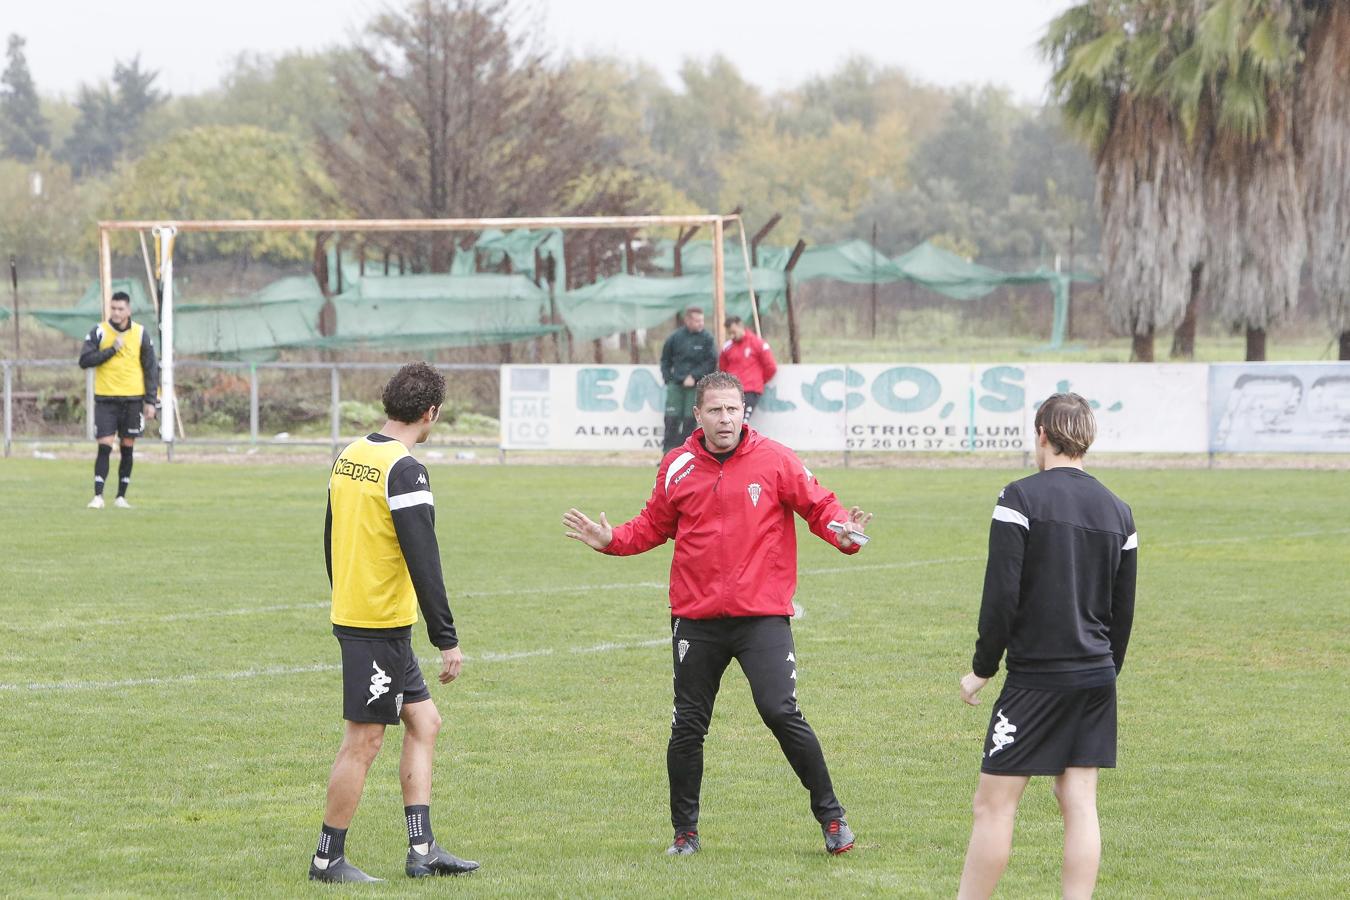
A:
x: 171, y: 695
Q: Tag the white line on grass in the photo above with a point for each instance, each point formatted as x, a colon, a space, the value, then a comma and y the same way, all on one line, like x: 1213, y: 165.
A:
x: 274, y: 671
x: 59, y: 622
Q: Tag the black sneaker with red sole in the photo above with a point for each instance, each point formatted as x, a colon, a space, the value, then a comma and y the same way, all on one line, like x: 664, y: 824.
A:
x: 685, y: 844
x: 838, y: 836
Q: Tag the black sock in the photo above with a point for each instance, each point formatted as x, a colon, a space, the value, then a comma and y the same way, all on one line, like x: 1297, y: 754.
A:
x: 332, y: 842
x: 419, y: 824
x: 101, y: 468
x: 124, y: 471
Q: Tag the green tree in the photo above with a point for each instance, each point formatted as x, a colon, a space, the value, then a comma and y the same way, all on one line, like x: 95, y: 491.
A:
x: 1109, y: 59
x: 111, y: 119
x: 1324, y: 127
x: 1234, y: 88
x: 972, y: 147
x: 818, y: 181
x: 42, y: 215
x: 219, y: 172
x: 451, y: 114
x: 698, y: 129
x: 295, y: 93
x: 23, y: 130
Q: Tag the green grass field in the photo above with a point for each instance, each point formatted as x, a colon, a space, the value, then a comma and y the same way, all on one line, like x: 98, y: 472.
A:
x: 170, y: 700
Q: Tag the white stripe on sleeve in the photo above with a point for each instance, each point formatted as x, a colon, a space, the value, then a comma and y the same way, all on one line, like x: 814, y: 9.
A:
x: 1007, y: 514
x: 676, y: 466
x: 1131, y: 542
x: 412, y: 498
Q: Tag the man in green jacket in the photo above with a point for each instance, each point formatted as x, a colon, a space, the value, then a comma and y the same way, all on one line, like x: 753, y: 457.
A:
x: 688, y: 354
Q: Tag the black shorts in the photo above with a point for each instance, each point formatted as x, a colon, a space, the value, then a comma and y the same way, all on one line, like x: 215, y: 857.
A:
x: 1045, y: 732
x: 122, y: 417
x: 379, y: 675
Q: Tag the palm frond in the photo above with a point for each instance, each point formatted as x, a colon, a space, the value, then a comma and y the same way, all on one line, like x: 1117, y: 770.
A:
x: 1218, y: 34
x: 1243, y: 111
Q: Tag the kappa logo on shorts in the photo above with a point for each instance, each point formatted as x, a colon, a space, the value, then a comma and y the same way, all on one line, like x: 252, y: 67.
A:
x: 755, y: 490
x: 398, y: 704
x: 1003, y: 733
x: 379, y: 683
x: 684, y: 648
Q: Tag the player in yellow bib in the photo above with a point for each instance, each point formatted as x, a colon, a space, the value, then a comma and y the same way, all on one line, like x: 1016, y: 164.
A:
x: 126, y: 387
x: 384, y: 563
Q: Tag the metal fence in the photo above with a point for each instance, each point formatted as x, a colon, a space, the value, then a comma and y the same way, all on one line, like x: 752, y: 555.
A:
x: 300, y: 404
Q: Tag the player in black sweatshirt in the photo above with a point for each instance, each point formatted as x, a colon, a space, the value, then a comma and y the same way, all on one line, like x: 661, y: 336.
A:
x: 1059, y: 600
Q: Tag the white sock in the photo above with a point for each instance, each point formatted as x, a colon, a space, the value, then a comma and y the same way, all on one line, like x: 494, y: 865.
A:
x: 421, y: 849
x: 320, y: 863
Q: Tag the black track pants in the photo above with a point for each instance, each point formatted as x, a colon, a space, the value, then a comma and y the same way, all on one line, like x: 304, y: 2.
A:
x: 702, y: 649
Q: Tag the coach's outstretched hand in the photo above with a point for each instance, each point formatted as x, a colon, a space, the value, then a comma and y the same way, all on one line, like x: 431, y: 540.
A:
x: 857, y: 521
x: 595, y: 535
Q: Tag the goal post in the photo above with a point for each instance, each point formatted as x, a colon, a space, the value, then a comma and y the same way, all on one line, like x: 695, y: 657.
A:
x: 167, y: 229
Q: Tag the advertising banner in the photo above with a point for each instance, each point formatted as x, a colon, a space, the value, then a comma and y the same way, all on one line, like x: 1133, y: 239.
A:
x: 1163, y: 408
x: 1140, y: 408
x: 1279, y: 407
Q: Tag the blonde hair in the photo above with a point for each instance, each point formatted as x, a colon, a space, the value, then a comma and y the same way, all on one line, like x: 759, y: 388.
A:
x: 1069, y: 424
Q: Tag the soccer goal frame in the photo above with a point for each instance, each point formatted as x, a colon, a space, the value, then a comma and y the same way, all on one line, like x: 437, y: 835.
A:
x: 165, y: 230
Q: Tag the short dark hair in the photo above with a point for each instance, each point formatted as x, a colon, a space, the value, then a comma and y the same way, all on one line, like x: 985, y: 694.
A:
x: 715, y: 381
x: 121, y: 295
x: 416, y: 388
x: 693, y: 309
x: 734, y: 320
x: 1069, y: 424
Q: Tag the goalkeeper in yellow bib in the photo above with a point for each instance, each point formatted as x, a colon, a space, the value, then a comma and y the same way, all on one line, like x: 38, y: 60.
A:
x: 126, y: 387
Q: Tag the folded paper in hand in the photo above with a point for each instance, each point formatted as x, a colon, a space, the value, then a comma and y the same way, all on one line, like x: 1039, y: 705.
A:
x: 854, y: 535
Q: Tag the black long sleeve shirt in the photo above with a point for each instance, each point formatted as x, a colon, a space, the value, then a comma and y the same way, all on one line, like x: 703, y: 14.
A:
x: 1059, y: 584
x: 415, y: 526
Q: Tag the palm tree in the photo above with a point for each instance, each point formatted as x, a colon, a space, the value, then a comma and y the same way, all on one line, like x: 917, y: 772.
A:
x: 1233, y: 87
x: 1109, y: 59
x: 1324, y: 130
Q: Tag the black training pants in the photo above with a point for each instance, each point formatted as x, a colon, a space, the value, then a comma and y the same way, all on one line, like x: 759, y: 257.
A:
x: 702, y: 649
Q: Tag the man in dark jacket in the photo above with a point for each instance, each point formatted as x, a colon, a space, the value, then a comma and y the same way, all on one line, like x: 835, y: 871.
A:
x: 1059, y: 599
x: 727, y: 497
x: 688, y: 354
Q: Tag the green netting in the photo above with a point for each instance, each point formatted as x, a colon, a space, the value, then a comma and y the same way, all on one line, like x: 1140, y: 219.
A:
x: 283, y: 314
x: 464, y: 309
x: 697, y: 256
x: 855, y: 262
x: 631, y: 302
x: 428, y: 311
x: 520, y: 246
x: 87, y: 312
x: 948, y: 274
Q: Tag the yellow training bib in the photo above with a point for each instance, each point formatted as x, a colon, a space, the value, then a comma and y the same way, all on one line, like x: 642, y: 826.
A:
x: 122, y: 375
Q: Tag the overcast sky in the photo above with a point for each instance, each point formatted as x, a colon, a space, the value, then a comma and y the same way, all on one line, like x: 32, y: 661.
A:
x: 774, y: 44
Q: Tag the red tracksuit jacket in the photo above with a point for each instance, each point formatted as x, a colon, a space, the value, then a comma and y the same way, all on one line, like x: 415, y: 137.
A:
x: 750, y: 360
x: 735, y: 541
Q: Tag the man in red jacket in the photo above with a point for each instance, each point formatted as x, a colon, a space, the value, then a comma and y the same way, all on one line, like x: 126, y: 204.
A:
x: 727, y: 497
x: 748, y: 357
